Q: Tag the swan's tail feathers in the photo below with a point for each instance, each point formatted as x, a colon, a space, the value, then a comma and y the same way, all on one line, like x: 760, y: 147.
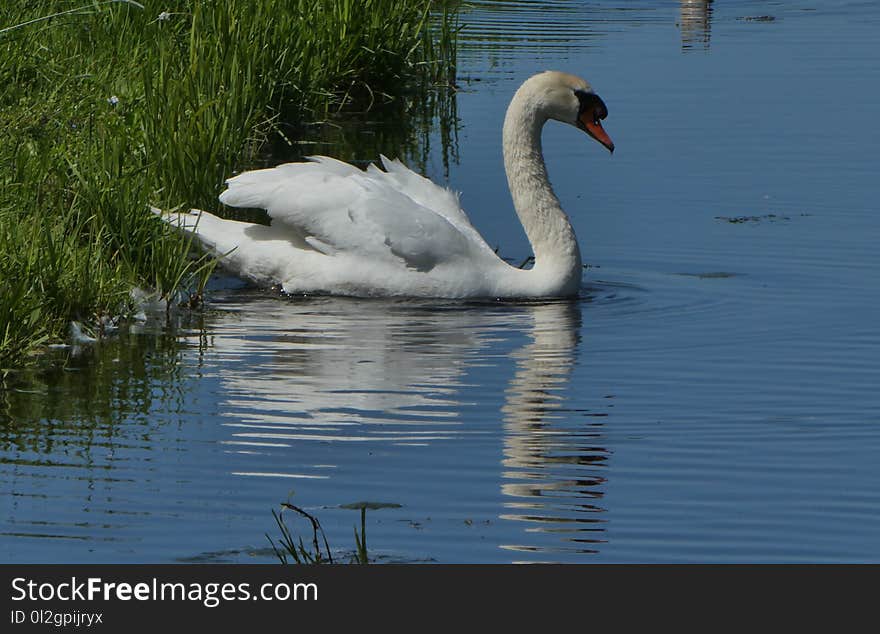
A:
x: 208, y: 229
x: 187, y: 221
x: 258, y: 253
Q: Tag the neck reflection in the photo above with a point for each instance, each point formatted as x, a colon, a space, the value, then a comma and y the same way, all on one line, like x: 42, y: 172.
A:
x: 553, y: 463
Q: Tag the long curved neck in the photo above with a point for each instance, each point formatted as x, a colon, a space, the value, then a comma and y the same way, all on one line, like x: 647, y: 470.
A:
x: 547, y: 226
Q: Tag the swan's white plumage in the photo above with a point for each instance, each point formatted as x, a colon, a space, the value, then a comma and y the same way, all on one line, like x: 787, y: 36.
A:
x: 339, y: 209
x: 339, y: 229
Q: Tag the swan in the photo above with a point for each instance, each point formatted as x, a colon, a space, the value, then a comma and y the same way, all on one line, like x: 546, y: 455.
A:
x: 340, y: 230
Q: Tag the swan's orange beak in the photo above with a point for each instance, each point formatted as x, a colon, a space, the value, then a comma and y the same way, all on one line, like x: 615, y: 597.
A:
x: 594, y: 128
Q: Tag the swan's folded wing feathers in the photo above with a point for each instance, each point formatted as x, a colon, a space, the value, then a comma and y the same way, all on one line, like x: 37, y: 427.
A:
x: 319, y: 245
x: 423, y: 190
x: 416, y: 234
x: 331, y: 165
x: 341, y: 209
x: 250, y: 189
x: 427, y: 193
x: 257, y: 188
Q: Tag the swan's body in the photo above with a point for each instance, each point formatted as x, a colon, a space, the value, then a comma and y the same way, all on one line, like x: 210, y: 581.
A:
x: 341, y: 230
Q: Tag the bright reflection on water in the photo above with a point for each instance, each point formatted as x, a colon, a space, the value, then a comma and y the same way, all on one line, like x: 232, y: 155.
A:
x: 695, y: 23
x: 712, y: 396
x: 405, y: 374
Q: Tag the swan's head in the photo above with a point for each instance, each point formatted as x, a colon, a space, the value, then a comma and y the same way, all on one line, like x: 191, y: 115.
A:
x: 570, y: 99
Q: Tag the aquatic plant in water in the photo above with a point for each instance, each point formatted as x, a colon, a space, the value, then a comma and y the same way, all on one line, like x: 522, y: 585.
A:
x: 289, y: 549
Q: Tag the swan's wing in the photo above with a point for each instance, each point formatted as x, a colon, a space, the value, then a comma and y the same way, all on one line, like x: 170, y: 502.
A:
x: 337, y: 208
x: 422, y: 190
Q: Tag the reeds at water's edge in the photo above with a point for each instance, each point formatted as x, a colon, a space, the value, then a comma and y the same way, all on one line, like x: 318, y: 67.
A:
x: 115, y: 106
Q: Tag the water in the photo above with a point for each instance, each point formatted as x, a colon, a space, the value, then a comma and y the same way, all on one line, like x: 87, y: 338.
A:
x: 712, y: 396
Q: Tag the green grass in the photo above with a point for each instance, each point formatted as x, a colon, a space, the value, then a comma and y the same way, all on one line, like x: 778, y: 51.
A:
x: 110, y: 107
x: 290, y: 549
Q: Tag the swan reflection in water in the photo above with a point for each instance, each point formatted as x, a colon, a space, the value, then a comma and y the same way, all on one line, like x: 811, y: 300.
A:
x: 418, y: 374
x: 347, y: 370
x: 695, y: 22
x: 553, y: 462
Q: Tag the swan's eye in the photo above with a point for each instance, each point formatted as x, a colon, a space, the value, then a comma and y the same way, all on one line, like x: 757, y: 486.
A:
x: 591, y: 103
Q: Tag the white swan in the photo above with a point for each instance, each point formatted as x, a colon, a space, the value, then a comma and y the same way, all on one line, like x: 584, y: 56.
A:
x: 341, y: 230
